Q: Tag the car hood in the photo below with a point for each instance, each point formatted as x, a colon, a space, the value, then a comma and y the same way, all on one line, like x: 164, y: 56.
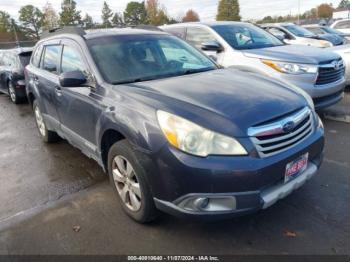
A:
x: 334, y: 39
x: 244, y: 99
x: 293, y: 53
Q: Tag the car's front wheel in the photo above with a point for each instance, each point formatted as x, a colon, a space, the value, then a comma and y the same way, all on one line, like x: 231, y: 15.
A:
x: 47, y: 135
x: 128, y: 178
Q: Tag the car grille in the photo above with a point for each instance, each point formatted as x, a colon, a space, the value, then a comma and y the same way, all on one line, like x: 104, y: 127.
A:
x: 273, y: 138
x: 330, y: 73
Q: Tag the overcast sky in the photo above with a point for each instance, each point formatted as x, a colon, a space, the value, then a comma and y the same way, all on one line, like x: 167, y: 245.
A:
x: 250, y: 9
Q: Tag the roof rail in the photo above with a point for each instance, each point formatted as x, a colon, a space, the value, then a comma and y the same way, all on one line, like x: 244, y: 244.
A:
x: 146, y: 27
x: 63, y: 30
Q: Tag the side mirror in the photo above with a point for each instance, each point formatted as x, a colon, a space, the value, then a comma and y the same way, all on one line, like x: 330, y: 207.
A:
x: 281, y: 37
x: 50, y: 67
x: 72, y: 79
x: 212, y: 46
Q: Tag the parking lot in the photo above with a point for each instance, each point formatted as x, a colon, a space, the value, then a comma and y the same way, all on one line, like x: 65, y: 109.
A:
x: 54, y: 200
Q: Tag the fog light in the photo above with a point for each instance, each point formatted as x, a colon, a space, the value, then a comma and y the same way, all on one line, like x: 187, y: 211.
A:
x: 208, y: 203
x: 201, y: 203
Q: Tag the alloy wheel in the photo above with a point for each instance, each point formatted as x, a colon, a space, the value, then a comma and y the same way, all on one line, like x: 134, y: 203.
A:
x: 126, y: 183
x: 39, y: 121
x: 12, y: 93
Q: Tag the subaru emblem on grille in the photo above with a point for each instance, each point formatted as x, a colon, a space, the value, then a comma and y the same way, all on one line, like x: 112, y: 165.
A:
x: 336, y: 65
x: 288, y: 127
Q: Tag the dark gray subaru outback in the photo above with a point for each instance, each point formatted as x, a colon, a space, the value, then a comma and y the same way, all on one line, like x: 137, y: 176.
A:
x: 174, y: 132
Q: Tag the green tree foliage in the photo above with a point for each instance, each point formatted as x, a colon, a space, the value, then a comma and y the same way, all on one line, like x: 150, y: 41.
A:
x: 117, y: 20
x: 31, y: 19
x: 50, y: 17
x: 107, y: 14
x: 69, y: 14
x: 5, y: 22
x: 88, y: 23
x: 156, y: 15
x: 135, y: 14
x: 228, y: 10
x: 344, y: 4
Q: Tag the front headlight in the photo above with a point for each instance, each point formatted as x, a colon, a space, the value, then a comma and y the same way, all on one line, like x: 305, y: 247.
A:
x: 291, y: 68
x: 196, y: 140
x: 325, y: 44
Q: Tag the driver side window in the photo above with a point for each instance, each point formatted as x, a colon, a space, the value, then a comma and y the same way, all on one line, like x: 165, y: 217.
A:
x: 71, y: 60
x: 244, y: 37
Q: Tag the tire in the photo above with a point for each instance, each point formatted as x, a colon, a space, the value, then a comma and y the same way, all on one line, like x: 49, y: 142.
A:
x: 122, y: 152
x: 47, y: 135
x: 13, y: 94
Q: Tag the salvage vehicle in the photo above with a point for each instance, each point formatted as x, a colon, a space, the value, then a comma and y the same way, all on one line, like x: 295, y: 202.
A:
x: 296, y: 35
x: 247, y: 47
x: 12, y: 64
x: 175, y: 132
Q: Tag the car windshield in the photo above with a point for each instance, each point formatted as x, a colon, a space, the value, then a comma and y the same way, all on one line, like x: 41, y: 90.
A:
x: 135, y: 58
x: 331, y: 30
x: 246, y: 36
x: 299, y: 31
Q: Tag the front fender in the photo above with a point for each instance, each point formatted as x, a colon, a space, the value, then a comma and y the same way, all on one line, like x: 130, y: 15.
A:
x: 138, y: 124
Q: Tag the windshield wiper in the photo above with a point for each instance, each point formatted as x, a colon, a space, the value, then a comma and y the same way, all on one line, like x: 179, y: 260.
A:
x: 136, y: 80
x: 194, y: 71
x: 141, y: 79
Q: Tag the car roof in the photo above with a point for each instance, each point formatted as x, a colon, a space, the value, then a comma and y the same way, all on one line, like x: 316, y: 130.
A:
x: 314, y: 25
x: 96, y: 33
x: 276, y: 24
x: 205, y: 24
x: 79, y: 33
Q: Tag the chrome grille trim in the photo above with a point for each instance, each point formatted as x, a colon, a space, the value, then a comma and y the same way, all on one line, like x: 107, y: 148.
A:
x: 270, y: 139
x: 329, y: 73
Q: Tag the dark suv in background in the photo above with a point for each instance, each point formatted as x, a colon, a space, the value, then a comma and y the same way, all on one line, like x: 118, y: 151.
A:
x: 174, y: 132
x: 12, y: 64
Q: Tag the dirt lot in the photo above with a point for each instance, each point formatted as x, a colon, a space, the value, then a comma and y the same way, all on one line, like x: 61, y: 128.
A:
x: 47, y: 191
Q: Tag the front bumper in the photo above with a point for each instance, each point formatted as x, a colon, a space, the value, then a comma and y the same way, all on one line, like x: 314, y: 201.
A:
x: 246, y: 202
x: 322, y: 95
x: 248, y: 183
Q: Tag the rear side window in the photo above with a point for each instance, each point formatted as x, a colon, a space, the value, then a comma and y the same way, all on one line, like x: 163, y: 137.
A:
x: 197, y: 36
x: 37, y: 56
x: 71, y: 60
x: 51, y: 58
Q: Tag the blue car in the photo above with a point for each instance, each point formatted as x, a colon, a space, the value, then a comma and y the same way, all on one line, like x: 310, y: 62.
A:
x: 332, y: 35
x: 174, y: 132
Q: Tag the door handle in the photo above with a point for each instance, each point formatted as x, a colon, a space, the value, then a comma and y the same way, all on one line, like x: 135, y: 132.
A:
x: 58, y: 90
